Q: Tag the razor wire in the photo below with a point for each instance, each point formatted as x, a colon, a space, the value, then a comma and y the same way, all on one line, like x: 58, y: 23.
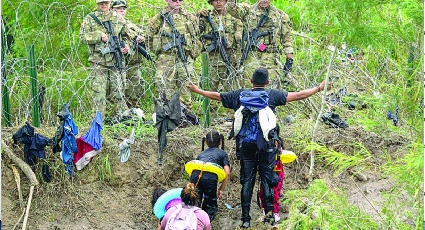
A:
x: 63, y: 70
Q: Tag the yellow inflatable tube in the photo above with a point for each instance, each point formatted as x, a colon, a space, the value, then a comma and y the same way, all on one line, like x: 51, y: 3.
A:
x: 287, y: 156
x: 205, y: 166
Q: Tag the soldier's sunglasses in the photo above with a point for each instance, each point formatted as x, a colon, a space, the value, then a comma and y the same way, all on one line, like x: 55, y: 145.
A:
x: 177, y: 0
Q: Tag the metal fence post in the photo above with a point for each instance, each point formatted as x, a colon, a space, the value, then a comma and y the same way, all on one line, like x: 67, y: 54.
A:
x: 206, y: 86
x: 5, y: 90
x: 34, y: 93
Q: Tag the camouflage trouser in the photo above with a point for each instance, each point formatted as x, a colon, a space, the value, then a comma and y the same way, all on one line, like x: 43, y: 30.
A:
x: 134, y: 84
x: 107, y: 84
x: 266, y: 60
x: 171, y: 76
x: 219, y: 81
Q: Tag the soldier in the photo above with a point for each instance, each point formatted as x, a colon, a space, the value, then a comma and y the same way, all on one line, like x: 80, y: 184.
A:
x: 176, y: 48
x: 133, y: 90
x: 222, y: 65
x: 106, y: 74
x: 267, y: 34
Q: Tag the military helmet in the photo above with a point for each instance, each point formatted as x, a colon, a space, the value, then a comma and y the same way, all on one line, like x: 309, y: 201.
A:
x: 119, y: 3
x: 99, y: 1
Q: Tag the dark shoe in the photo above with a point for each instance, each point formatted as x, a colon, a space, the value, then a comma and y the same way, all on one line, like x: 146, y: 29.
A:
x: 269, y: 218
x: 245, y: 224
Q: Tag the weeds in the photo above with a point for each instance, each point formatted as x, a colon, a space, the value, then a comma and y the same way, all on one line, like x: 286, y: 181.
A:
x: 105, y: 172
x: 324, y: 208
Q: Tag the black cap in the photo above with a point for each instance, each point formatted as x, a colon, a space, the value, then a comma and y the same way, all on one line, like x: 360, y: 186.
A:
x: 260, y: 76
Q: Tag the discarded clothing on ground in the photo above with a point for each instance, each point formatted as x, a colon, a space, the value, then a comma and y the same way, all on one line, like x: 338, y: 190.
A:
x: 34, y: 144
x: 349, y: 100
x: 125, y: 146
x: 168, y: 117
x: 36, y: 147
x: 187, y: 117
x: 89, y: 144
x: 84, y: 155
x: 93, y: 137
x: 69, y: 143
x: 393, y: 116
x: 333, y: 120
x: 24, y: 134
x: 60, y: 131
x: 133, y: 116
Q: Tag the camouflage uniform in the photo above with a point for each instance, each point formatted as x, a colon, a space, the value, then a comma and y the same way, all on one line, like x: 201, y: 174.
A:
x: 170, y: 71
x: 231, y: 29
x: 278, y: 42
x: 134, y: 81
x: 107, y: 83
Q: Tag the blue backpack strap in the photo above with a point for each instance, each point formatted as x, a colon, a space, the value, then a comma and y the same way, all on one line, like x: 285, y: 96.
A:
x: 253, y: 101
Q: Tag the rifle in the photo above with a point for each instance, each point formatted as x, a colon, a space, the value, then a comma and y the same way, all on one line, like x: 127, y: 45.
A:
x: 115, y: 45
x: 217, y: 43
x: 178, y: 40
x: 251, y: 38
x: 141, y: 48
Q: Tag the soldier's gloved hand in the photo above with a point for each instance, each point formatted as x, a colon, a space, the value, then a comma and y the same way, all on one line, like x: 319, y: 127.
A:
x: 288, y: 65
x: 124, y: 49
x: 204, y: 12
x: 104, y: 37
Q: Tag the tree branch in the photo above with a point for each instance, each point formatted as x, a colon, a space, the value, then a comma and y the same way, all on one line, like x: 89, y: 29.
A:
x: 310, y: 172
x: 24, y: 166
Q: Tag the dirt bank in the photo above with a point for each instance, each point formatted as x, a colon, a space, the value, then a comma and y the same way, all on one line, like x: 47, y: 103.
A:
x: 95, y: 199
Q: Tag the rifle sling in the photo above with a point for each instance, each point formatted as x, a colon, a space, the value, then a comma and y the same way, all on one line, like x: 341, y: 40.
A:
x: 262, y: 21
x: 214, y: 30
x: 96, y: 19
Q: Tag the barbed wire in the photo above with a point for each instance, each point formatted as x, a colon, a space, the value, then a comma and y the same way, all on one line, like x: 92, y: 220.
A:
x: 63, y: 70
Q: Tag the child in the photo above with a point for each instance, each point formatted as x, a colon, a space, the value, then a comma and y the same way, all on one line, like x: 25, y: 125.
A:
x: 206, y: 182
x: 278, y: 168
x: 188, y: 210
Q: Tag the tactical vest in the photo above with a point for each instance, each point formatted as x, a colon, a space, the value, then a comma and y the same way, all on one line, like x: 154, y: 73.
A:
x: 94, y: 49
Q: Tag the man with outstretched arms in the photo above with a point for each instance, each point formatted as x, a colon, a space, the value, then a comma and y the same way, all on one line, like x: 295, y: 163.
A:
x: 221, y: 35
x: 172, y: 35
x: 254, y: 129
x: 101, y: 31
x: 267, y: 35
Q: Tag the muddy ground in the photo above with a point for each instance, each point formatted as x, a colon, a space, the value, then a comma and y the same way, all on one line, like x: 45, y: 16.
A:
x: 123, y: 200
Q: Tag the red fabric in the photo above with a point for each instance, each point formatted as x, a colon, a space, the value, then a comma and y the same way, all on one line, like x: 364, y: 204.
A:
x: 83, y: 148
x: 277, y: 189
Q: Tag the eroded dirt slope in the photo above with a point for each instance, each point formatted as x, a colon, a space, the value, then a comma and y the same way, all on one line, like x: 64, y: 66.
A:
x: 123, y: 201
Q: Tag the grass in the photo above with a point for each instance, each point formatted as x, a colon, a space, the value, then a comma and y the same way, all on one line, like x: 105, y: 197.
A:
x: 323, y: 207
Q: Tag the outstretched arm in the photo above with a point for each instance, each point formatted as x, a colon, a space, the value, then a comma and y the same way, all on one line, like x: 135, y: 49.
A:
x: 208, y: 94
x: 296, y: 96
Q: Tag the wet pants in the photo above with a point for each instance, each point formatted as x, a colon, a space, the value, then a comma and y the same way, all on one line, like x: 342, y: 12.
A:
x: 253, y: 159
x: 207, y: 186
